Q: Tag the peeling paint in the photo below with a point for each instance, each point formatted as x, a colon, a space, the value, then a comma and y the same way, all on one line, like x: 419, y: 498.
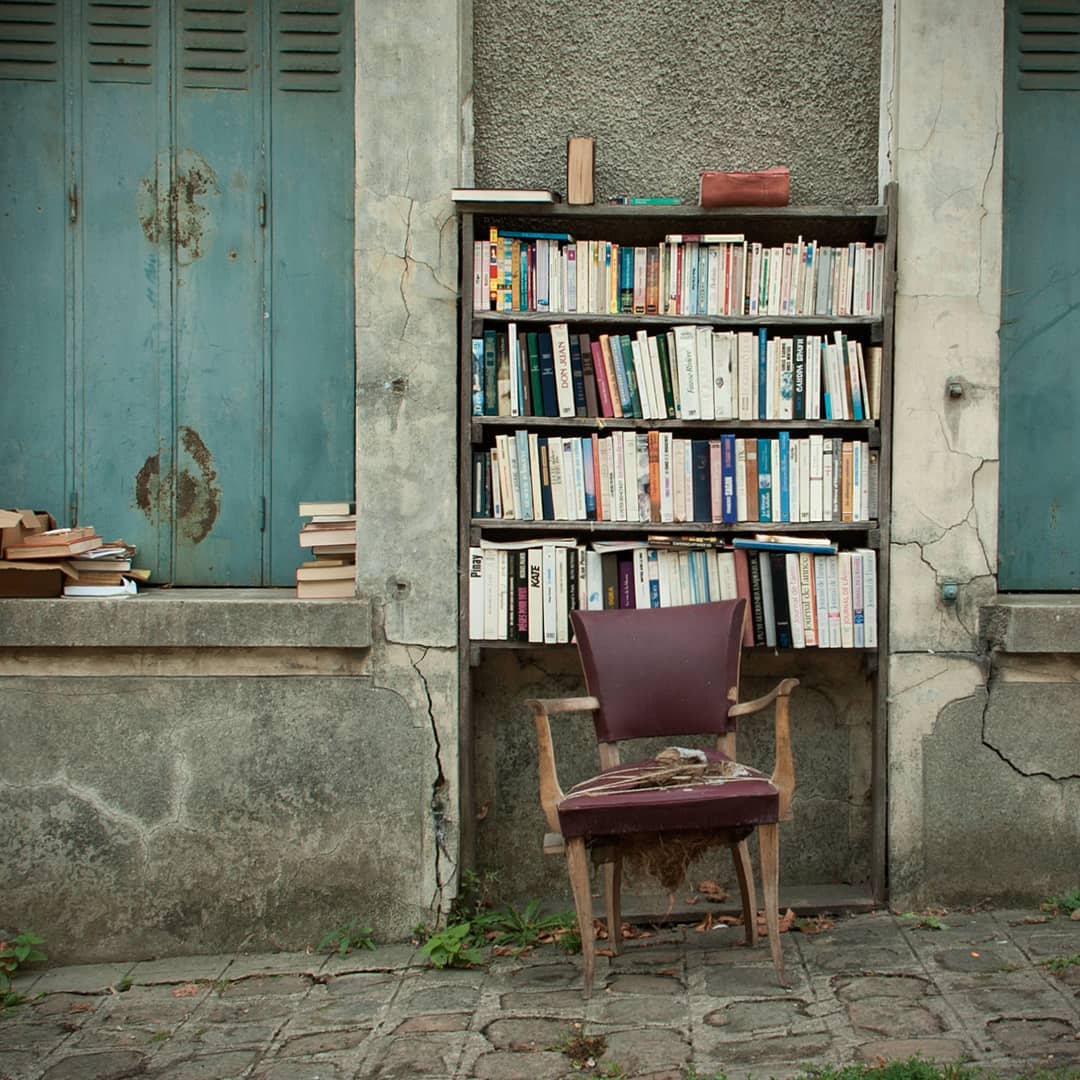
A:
x: 198, y: 497
x: 176, y: 215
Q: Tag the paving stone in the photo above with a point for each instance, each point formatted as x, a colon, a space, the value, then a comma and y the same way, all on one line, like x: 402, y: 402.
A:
x: 749, y: 982
x: 645, y: 984
x: 263, y: 985
x: 111, y: 1065
x: 973, y: 961
x: 434, y: 1022
x: 323, y: 1069
x: 15, y: 1064
x: 547, y: 977
x: 201, y: 1036
x: 245, y: 1010
x: 640, y: 1010
x: 861, y: 958
x: 859, y: 987
x: 743, y: 1016
x: 528, y: 1033
x: 320, y: 1042
x: 508, y: 1065
x: 893, y: 1019
x: 336, y: 1012
x: 760, y: 1051
x: 556, y: 1002
x: 385, y: 958
x: 1012, y: 1001
x: 643, y: 1050
x: 639, y: 956
x: 81, y: 979
x: 30, y: 1036
x: 226, y: 1066
x: 438, y: 999
x: 900, y: 1049
x: 309, y: 964
x: 187, y: 969
x: 1037, y: 1038
x: 417, y: 1055
x: 63, y: 1005
x: 1061, y: 940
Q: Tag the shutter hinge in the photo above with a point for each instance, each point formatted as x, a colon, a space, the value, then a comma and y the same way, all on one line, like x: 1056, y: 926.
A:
x: 73, y: 509
x: 262, y: 516
x: 262, y: 209
x: 73, y: 204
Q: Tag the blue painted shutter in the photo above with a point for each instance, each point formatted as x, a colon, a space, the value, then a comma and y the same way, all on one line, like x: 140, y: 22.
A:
x: 1040, y: 378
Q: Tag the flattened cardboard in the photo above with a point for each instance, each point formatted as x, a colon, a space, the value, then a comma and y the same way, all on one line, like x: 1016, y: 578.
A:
x: 38, y: 580
x: 17, y: 525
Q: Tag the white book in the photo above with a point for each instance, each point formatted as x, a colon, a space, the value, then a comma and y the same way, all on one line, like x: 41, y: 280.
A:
x: 879, y: 278
x: 644, y: 498
x: 772, y: 384
x: 673, y: 370
x: 502, y: 563
x: 665, y: 563
x: 725, y: 400
x: 688, y: 478
x: 667, y: 489
x: 618, y: 476
x: 657, y: 380
x: 513, y: 476
x: 562, y: 597
x: 556, y: 466
x: 828, y: 466
x: 809, y: 608
x: 678, y: 480
x: 795, y: 603
x: 496, y: 484
x: 548, y: 556
x: 703, y: 351
x: 534, y: 477
x: 713, y: 294
x: 725, y: 566
x: 813, y: 377
x: 746, y: 382
x: 685, y: 587
x: 833, y: 585
x: 712, y: 573
x: 857, y: 611
x: 804, y: 479
x: 843, y: 577
x: 821, y: 600
x: 641, y: 578
x: 631, y: 478
x: 564, y: 376
x: 654, y: 577
x: 607, y: 500
x: 864, y: 472
x: 794, y: 478
x: 776, y: 273
x: 536, y: 595
x: 476, y: 593
x: 857, y: 480
x: 768, y: 598
x: 740, y: 480
x: 870, y: 607
x: 686, y: 362
x: 816, y: 481
x: 594, y: 585
x: 787, y: 378
x: 641, y: 376
x: 579, y: 477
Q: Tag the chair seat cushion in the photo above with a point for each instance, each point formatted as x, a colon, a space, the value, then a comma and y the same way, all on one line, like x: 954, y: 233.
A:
x: 610, y: 804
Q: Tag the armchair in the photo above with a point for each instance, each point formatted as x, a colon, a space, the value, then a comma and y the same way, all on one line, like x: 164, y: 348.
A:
x: 665, y: 672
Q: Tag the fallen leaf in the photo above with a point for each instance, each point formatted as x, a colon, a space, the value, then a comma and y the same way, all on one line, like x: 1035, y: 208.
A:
x: 787, y: 921
x: 1075, y: 916
x: 673, y: 972
x: 713, y: 890
x: 86, y: 1007
x: 507, y: 950
x: 815, y: 926
x: 691, y: 900
x: 1029, y: 919
x: 483, y: 811
x: 705, y: 924
x: 973, y: 953
x: 604, y: 952
x: 188, y: 990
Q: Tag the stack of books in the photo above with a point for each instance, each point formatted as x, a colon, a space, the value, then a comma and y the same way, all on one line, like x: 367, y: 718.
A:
x: 329, y: 536
x: 91, y: 568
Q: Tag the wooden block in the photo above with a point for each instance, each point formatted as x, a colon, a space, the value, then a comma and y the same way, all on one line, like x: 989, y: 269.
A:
x: 580, y: 164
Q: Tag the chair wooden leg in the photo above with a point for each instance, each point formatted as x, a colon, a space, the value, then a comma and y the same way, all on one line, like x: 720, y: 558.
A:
x: 577, y: 863
x: 613, y: 886
x: 744, y: 871
x: 769, y: 846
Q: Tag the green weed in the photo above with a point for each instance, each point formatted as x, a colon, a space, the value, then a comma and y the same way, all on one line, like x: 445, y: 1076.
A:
x: 525, y: 929
x: 346, y: 938
x: 1060, y: 964
x: 455, y: 946
x: 923, y: 920
x: 15, y: 954
x: 1062, y: 905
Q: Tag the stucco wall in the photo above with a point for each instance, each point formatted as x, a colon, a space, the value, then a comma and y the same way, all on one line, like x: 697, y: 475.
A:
x: 984, y: 799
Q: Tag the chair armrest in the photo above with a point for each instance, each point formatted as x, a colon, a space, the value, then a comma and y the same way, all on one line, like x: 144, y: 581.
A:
x: 551, y: 794
x: 783, y: 777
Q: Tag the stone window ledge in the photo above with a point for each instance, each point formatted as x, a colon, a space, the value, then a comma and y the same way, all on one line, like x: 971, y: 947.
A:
x: 1032, y: 623
x: 188, y: 618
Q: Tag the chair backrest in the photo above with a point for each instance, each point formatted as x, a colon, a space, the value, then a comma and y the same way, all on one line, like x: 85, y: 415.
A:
x: 662, y: 671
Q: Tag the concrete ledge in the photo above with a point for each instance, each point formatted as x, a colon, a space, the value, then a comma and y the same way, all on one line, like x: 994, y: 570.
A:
x: 1032, y: 623
x: 189, y: 618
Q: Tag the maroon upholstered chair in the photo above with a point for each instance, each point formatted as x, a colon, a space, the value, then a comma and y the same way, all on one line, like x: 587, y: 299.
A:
x: 665, y: 672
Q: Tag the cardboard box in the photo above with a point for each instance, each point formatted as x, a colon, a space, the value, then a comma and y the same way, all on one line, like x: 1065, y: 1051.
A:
x: 34, y: 579
x: 17, y: 525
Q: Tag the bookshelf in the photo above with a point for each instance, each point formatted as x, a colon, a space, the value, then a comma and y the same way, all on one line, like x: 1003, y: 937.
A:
x: 850, y: 340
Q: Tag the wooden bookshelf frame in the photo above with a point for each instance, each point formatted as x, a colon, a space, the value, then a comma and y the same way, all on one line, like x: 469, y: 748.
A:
x: 827, y: 225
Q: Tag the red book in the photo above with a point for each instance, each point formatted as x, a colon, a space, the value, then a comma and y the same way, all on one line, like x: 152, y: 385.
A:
x: 742, y: 587
x: 602, y: 387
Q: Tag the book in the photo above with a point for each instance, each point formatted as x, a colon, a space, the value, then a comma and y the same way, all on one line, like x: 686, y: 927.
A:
x: 57, y: 537
x: 504, y: 195
x: 329, y: 570
x: 50, y: 550
x: 125, y: 589
x: 343, y: 588
x: 580, y: 160
x: 89, y: 561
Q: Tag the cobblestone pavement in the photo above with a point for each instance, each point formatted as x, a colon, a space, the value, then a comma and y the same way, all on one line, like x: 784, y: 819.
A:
x: 678, y: 1005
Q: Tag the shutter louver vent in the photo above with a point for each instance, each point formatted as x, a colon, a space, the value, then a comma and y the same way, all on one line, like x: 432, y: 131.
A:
x: 217, y: 44
x: 1049, y: 57
x: 307, y: 45
x: 120, y: 41
x: 30, y: 40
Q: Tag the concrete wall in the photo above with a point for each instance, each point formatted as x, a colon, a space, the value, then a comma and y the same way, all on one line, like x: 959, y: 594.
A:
x: 668, y: 91
x: 984, y: 755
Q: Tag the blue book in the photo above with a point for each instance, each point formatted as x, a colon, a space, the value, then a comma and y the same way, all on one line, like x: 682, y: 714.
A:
x: 477, y: 376
x: 653, y: 558
x: 517, y: 234
x: 785, y: 476
x: 590, y: 482
x: 547, y: 375
x: 577, y: 375
x: 728, y: 508
x: 703, y: 279
x: 623, y: 385
x: 763, y: 374
x: 626, y: 278
x: 521, y: 440
x: 701, y: 480
x: 792, y: 544
x: 764, y: 471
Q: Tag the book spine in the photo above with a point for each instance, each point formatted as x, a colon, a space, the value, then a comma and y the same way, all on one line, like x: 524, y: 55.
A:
x: 757, y: 611
x: 577, y: 374
x: 564, y: 375
x: 727, y: 473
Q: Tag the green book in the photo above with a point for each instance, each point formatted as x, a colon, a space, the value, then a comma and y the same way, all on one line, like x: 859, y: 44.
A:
x: 631, y: 376
x: 491, y: 363
x: 532, y: 351
x: 665, y: 374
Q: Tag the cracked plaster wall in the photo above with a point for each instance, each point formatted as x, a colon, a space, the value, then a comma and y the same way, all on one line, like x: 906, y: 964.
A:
x: 969, y: 818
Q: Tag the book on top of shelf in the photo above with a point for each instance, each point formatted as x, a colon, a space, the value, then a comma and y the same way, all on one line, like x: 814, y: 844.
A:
x: 504, y: 195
